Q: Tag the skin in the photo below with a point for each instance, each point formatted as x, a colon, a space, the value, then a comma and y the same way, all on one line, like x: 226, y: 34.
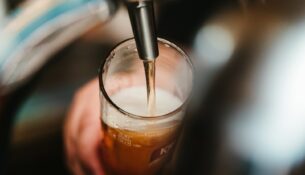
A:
x: 82, y: 131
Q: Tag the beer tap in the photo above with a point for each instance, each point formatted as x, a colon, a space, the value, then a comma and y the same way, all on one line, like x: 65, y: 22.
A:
x: 142, y: 18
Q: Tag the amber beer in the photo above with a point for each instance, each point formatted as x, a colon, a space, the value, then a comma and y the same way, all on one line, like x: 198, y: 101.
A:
x: 138, y: 147
x: 136, y: 153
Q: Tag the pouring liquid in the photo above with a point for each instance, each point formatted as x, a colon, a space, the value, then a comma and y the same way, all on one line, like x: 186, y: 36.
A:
x: 150, y: 73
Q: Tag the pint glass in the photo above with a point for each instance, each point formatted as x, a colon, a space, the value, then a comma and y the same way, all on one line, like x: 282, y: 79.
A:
x: 134, y: 142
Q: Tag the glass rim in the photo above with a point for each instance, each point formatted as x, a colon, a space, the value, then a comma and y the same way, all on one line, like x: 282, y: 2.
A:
x: 135, y: 116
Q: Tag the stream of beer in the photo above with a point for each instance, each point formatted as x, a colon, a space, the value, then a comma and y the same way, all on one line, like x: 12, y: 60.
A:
x: 150, y: 73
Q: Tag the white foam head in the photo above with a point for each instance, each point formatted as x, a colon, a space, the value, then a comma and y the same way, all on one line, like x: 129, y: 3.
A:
x: 133, y: 100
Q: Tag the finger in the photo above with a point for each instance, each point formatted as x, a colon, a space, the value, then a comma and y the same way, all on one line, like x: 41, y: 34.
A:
x: 69, y: 138
x: 75, y: 167
x: 78, y: 104
x: 88, y: 145
x: 72, y: 122
x: 89, y: 133
x: 70, y: 128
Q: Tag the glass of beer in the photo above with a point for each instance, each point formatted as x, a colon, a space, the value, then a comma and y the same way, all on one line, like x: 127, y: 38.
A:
x: 136, y: 141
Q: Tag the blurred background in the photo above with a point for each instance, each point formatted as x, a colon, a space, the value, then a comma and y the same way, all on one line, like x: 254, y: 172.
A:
x: 249, y: 56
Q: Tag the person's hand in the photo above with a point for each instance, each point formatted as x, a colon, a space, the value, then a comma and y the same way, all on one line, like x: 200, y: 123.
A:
x: 82, y: 131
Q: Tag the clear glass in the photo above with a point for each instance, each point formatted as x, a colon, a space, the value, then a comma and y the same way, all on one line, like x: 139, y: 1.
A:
x: 135, y: 142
